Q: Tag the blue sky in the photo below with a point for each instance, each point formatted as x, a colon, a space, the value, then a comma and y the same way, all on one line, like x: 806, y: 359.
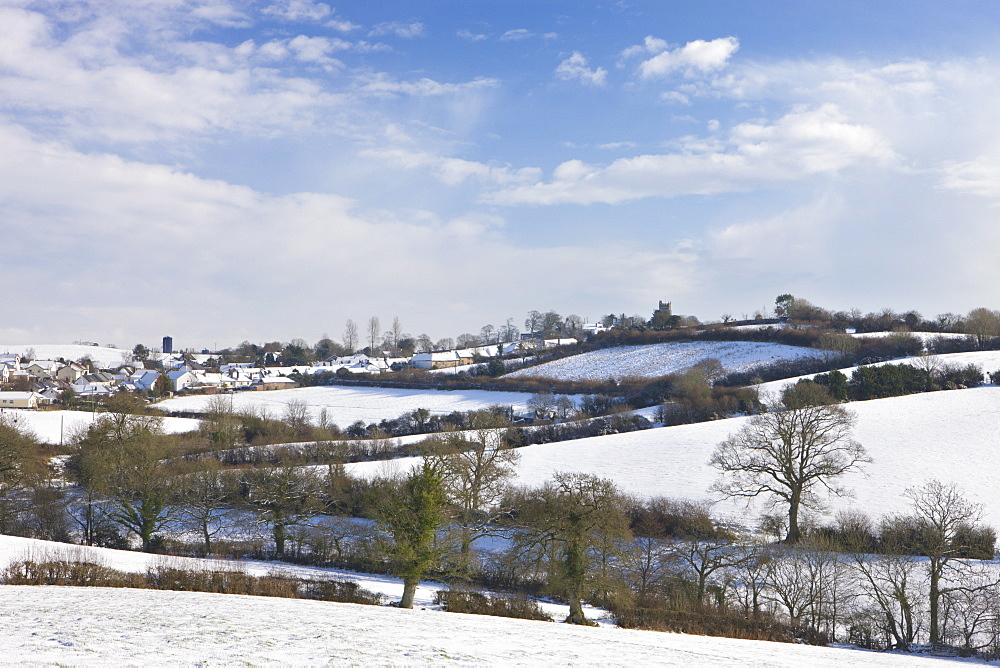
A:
x: 220, y: 170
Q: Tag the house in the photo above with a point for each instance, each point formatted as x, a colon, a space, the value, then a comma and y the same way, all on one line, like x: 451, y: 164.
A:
x: 71, y: 372
x: 43, y: 368
x: 276, y: 383
x: 143, y: 379
x: 182, y: 377
x: 94, y: 383
x: 440, y: 360
x: 19, y: 400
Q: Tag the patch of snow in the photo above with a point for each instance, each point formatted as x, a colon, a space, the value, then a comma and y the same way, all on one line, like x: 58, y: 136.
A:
x: 92, y: 626
x: 662, y: 358
x: 58, y: 426
x: 346, y: 405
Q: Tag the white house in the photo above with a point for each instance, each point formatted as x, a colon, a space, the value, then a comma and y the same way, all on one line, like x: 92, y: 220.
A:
x: 19, y: 400
x: 439, y: 360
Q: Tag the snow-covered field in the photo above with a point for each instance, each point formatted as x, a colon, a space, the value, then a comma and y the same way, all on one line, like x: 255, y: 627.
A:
x: 95, y: 626
x: 952, y: 436
x: 346, y: 405
x: 662, y: 358
x: 102, y: 355
x: 58, y: 426
x: 987, y: 360
x: 89, y: 626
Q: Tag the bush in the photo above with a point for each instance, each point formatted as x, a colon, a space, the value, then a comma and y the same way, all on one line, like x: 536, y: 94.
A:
x: 476, y: 603
x: 888, y: 380
x: 953, y: 377
x: 86, y: 574
x: 669, y: 518
x: 662, y: 614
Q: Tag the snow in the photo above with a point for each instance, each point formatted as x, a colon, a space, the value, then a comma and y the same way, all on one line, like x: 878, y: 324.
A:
x: 91, y: 626
x: 103, y: 356
x: 14, y: 549
x: 58, y: 426
x: 662, y: 358
x: 346, y: 405
x: 953, y: 436
x: 987, y: 360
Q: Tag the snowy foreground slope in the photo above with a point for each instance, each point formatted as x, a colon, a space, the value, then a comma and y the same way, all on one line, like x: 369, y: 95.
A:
x: 346, y: 405
x: 953, y: 436
x: 85, y: 626
x: 662, y: 358
x: 95, y: 626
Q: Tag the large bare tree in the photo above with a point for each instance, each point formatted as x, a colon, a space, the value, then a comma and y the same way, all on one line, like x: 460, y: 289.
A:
x: 350, y: 336
x: 790, y: 455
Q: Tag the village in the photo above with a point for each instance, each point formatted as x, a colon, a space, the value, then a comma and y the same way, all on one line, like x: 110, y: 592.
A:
x: 30, y: 382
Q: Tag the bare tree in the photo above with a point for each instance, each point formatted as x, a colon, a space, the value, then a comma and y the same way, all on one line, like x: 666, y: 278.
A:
x: 983, y: 324
x: 703, y: 557
x: 486, y: 334
x: 946, y: 524
x: 509, y: 330
x: 396, y: 332
x: 374, y: 330
x: 533, y: 322
x: 890, y: 581
x: 206, y: 496
x: 476, y: 468
x: 786, y: 455
x: 350, y: 336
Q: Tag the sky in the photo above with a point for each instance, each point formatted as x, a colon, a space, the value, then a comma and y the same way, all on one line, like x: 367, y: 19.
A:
x: 220, y: 170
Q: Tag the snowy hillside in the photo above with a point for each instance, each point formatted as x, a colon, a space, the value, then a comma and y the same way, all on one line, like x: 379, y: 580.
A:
x: 663, y: 358
x: 987, y: 360
x: 346, y: 405
x: 953, y: 436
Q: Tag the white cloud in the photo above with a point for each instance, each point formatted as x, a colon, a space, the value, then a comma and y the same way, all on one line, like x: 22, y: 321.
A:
x: 399, y: 29
x: 979, y: 177
x: 575, y: 68
x: 675, y: 97
x: 453, y: 171
x: 104, y: 94
x: 515, y: 35
x: 384, y: 85
x: 125, y: 234
x: 317, y: 49
x: 298, y: 10
x: 341, y: 25
x: 471, y: 36
x: 803, y: 143
x: 650, y: 45
x: 698, y: 57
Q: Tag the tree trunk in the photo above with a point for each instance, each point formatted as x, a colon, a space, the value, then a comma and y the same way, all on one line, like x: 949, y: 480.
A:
x: 794, y: 536
x: 409, y: 592
x: 279, y: 539
x: 934, y: 599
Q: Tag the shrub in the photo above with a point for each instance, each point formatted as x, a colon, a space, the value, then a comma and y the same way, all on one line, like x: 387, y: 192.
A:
x: 663, y: 614
x: 86, y: 574
x: 476, y: 603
